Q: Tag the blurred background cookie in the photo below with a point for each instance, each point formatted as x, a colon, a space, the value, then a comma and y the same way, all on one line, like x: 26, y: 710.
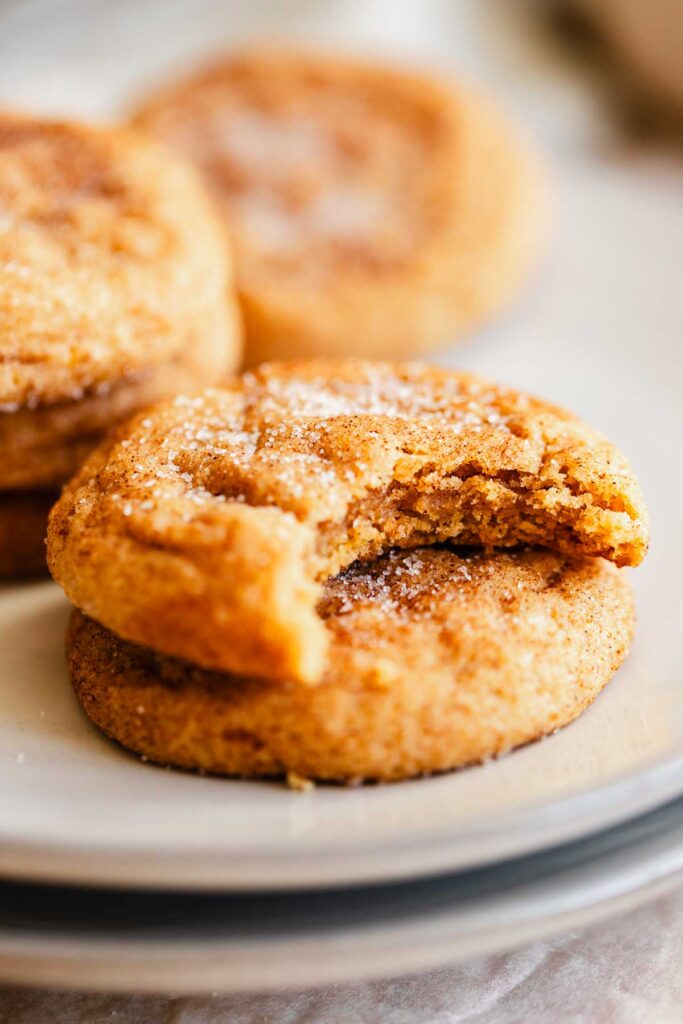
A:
x: 373, y: 211
x: 114, y: 292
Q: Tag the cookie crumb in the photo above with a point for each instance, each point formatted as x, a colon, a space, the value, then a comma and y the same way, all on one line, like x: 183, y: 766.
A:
x: 300, y: 782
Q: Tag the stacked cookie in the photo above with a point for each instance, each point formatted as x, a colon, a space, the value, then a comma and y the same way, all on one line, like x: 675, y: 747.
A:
x: 342, y: 570
x: 357, y: 194
x: 114, y: 292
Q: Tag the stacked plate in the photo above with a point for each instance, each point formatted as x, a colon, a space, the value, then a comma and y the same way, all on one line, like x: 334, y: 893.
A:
x: 121, y: 875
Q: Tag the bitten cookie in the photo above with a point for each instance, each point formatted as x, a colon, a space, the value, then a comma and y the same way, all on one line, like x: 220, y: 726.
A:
x: 114, y: 292
x: 437, y: 660
x: 206, y: 527
x: 374, y: 212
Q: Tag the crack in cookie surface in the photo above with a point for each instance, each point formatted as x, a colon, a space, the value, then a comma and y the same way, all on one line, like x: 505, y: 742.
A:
x: 206, y: 528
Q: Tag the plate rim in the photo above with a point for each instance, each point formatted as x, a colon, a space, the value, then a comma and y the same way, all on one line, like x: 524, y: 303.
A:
x: 531, y: 829
x: 571, y: 896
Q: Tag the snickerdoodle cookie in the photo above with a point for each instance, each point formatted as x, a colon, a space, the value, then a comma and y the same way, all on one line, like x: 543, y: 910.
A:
x: 206, y: 527
x: 374, y: 212
x: 437, y: 660
x: 114, y: 292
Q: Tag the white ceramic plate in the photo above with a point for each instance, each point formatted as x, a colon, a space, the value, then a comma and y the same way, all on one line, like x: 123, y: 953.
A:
x: 180, y: 943
x: 600, y: 331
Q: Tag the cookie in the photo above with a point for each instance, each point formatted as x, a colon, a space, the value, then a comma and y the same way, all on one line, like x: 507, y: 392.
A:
x: 114, y: 293
x: 374, y: 212
x: 45, y: 445
x: 437, y: 660
x: 42, y: 447
x: 206, y: 527
x: 111, y: 258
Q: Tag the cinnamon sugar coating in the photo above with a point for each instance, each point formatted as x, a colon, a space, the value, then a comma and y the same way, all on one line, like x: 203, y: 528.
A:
x: 356, y: 194
x: 111, y: 260
x: 437, y: 660
x: 113, y: 294
x: 206, y: 527
x: 44, y: 446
